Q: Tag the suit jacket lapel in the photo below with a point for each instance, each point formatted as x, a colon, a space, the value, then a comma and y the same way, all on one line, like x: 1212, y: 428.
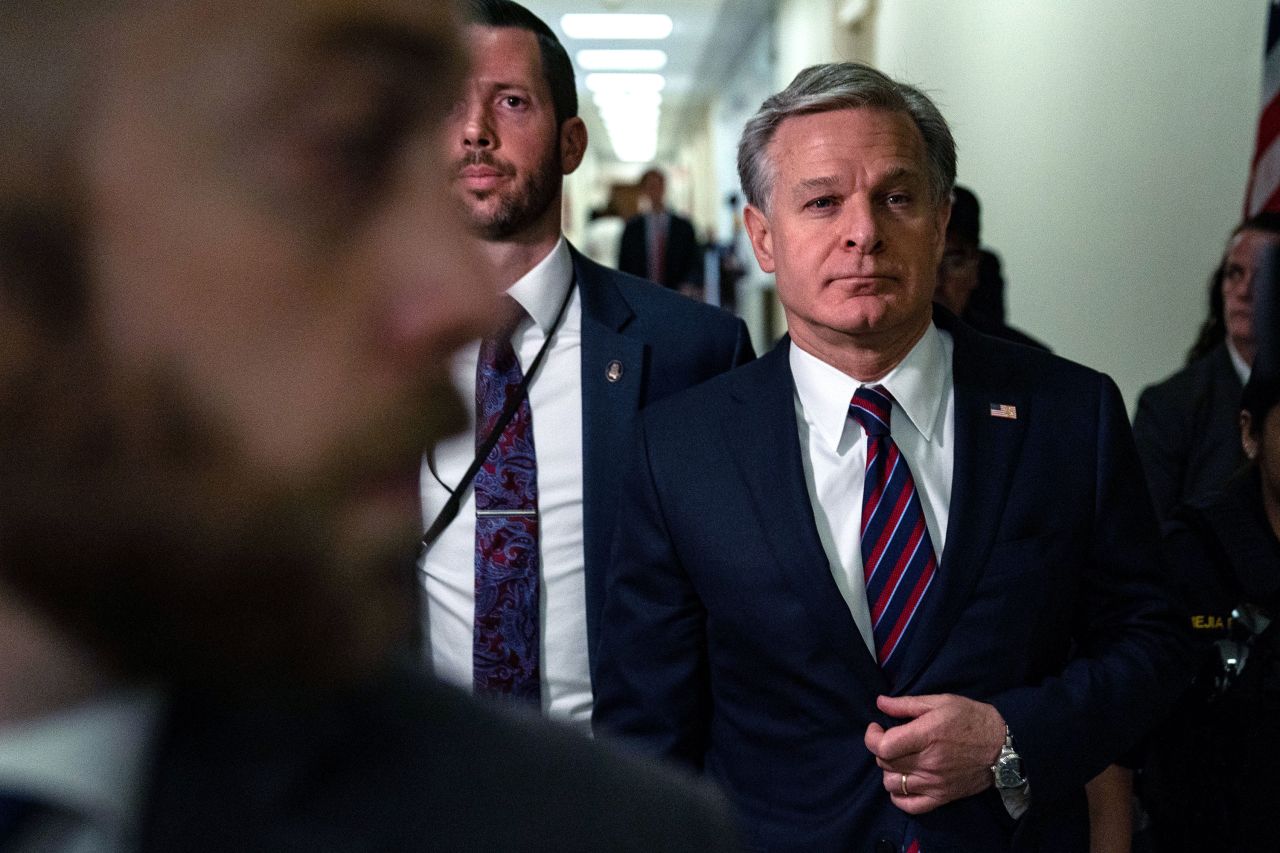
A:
x: 762, y: 436
x: 986, y: 451
x: 613, y: 368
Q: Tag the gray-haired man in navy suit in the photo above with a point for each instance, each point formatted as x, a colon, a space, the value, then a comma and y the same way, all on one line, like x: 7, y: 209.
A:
x: 899, y: 591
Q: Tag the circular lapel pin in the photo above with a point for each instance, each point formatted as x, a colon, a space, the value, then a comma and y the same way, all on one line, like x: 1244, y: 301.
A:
x: 614, y: 371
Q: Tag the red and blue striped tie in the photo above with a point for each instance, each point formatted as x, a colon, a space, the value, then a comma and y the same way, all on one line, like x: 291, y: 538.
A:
x: 898, y: 561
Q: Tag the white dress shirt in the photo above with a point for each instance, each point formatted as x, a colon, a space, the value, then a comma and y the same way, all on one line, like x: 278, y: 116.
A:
x: 1242, y: 367
x: 88, y: 764
x: 555, y: 400
x: 835, y: 452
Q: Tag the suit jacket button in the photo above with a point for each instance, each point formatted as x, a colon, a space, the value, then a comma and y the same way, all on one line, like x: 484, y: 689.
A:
x: 884, y: 845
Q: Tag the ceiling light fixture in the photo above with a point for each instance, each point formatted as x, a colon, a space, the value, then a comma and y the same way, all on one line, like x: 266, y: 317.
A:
x: 615, y: 26
x: 614, y: 83
x: 610, y: 100
x: 622, y: 60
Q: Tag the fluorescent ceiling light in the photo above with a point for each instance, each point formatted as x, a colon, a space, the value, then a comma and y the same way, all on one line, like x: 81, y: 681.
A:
x: 609, y: 100
x: 629, y: 112
x: 631, y: 121
x: 613, y: 83
x: 607, y: 26
x: 635, y: 151
x: 622, y: 60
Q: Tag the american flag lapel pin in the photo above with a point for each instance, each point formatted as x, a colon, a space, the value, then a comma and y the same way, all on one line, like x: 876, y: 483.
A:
x: 1004, y: 410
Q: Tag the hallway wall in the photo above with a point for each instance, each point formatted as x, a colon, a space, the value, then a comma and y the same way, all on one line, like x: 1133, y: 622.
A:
x: 1109, y: 144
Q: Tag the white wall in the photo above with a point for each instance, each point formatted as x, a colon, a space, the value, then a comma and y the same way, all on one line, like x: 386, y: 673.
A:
x: 1109, y: 144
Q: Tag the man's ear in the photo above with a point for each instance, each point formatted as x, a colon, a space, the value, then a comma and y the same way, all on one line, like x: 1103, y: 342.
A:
x: 573, y: 144
x: 757, y: 225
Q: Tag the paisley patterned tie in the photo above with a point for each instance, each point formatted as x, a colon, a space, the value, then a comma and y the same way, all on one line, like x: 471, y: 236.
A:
x: 505, y: 651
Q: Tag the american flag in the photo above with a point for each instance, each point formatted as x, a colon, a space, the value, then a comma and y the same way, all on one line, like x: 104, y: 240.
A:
x: 1004, y: 410
x: 1264, y: 175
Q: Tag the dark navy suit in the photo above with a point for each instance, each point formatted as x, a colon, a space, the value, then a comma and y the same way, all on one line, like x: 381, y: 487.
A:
x: 662, y: 343
x: 404, y: 764
x: 728, y: 646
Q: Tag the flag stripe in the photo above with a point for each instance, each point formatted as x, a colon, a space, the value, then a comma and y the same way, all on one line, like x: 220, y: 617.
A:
x: 1262, y: 192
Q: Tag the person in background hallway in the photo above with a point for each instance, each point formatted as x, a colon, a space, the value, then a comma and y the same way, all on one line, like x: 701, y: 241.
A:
x: 660, y: 245
x: 230, y: 282
x: 1209, y: 783
x: 958, y: 271
x: 1185, y: 425
x: 1012, y: 636
x: 513, y: 601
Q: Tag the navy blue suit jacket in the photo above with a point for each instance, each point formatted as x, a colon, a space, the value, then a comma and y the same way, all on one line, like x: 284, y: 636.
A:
x: 728, y: 646
x: 662, y: 343
x: 402, y: 763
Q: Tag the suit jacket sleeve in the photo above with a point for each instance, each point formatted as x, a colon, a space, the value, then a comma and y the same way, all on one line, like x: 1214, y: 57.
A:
x: 1131, y: 646
x: 658, y: 701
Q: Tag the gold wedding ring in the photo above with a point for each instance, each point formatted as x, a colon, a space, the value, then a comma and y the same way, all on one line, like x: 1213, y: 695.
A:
x: 905, y: 792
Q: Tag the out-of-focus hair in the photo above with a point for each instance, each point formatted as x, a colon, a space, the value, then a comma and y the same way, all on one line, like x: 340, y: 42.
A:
x: 46, y: 83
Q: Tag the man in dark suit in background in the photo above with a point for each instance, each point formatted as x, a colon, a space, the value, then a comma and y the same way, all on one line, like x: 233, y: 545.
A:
x: 522, y: 621
x: 1186, y: 426
x: 230, y: 280
x: 659, y: 244
x: 959, y: 273
x: 894, y: 585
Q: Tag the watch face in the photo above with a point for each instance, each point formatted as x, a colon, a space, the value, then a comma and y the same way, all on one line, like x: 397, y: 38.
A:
x: 1009, y: 773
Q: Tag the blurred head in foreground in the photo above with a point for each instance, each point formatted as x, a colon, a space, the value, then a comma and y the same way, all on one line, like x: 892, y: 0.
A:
x: 230, y: 278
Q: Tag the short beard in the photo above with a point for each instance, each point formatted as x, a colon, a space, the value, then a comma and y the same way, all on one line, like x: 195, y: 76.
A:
x: 521, y: 206
x: 126, y: 525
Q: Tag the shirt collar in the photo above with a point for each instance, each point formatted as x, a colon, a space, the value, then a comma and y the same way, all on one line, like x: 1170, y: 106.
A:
x: 542, y: 289
x: 919, y: 384
x: 89, y: 759
x: 1237, y: 361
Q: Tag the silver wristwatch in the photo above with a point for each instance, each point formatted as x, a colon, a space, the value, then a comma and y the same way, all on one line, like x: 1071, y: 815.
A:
x: 1008, y: 767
